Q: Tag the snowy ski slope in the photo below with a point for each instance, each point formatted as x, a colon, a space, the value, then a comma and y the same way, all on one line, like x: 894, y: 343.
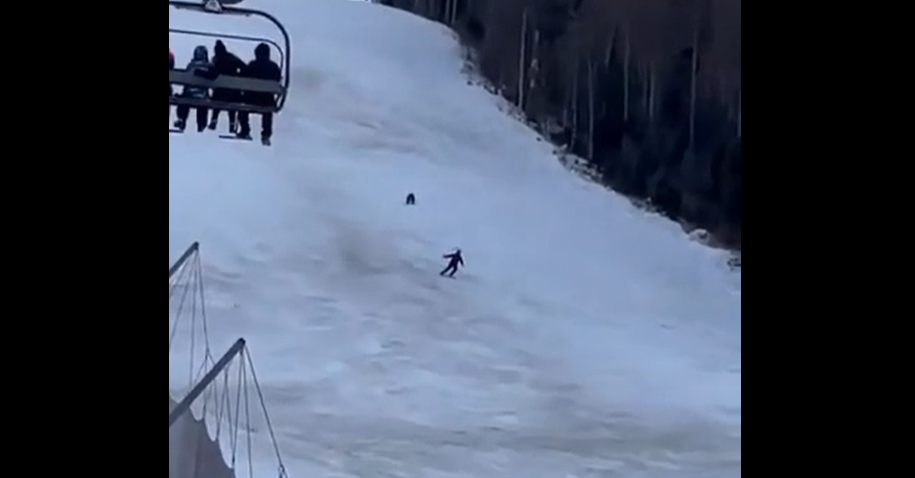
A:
x: 584, y: 339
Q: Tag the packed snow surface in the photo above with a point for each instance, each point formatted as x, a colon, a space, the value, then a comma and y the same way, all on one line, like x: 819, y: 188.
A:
x: 584, y: 339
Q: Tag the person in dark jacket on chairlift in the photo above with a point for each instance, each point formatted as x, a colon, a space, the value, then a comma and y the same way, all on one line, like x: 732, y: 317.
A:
x: 226, y: 64
x: 262, y: 68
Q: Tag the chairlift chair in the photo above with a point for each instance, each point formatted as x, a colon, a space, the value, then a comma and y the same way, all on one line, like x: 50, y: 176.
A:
x: 188, y: 78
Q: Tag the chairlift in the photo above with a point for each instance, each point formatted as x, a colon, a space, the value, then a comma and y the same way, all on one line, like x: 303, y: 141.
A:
x: 184, y: 77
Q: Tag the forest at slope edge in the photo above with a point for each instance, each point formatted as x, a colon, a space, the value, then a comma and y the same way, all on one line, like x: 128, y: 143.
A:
x: 647, y: 92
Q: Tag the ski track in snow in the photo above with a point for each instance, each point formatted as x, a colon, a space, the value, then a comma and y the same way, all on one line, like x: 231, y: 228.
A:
x: 584, y: 339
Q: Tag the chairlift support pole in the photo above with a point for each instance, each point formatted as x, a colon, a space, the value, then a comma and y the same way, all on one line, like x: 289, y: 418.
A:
x: 185, y: 406
x: 195, y: 247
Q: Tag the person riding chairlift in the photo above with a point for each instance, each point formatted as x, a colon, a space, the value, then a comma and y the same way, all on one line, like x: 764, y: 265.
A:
x: 226, y: 64
x: 262, y: 68
x: 200, y: 65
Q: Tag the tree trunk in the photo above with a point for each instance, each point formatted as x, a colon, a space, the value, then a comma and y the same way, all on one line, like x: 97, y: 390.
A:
x: 522, y: 62
x: 646, y: 89
x: 575, y: 101
x: 453, y: 12
x: 627, y: 77
x: 608, y: 54
x: 652, y: 92
x: 739, y: 113
x: 533, y: 75
x: 693, y: 93
x: 591, y: 108
x: 608, y: 57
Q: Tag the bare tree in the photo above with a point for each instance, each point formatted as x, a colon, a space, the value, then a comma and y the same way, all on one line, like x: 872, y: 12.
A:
x: 627, y: 76
x: 739, y: 113
x: 523, y: 60
x: 560, y: 62
x: 693, y: 90
x: 592, y: 101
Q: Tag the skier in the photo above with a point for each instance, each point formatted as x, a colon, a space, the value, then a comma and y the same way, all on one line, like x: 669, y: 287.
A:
x: 225, y: 63
x: 411, y: 199
x: 262, y: 68
x: 200, y: 65
x: 455, y: 260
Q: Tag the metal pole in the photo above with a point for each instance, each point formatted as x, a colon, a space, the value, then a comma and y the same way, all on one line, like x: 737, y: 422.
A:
x: 185, y: 405
x: 184, y: 258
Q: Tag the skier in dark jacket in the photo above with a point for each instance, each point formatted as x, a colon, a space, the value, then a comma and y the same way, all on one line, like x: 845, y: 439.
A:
x: 199, y: 65
x: 455, y: 260
x: 262, y: 68
x: 225, y: 64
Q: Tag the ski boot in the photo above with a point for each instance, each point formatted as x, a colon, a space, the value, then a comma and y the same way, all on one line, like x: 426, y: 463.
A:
x: 180, y: 125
